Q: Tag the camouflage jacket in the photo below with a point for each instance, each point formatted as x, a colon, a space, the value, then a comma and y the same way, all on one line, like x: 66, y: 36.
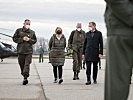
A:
x: 24, y: 47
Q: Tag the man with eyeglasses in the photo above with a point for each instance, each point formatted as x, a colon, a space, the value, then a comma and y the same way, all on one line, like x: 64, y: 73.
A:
x: 25, y: 38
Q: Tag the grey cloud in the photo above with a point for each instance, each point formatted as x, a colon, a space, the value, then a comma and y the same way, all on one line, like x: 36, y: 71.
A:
x: 60, y: 12
x: 55, y: 11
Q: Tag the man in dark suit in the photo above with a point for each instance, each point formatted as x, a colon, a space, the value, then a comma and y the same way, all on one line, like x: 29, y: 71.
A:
x: 119, y: 23
x: 92, y: 51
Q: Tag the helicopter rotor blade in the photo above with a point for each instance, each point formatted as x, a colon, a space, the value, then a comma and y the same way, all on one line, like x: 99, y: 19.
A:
x: 6, y: 35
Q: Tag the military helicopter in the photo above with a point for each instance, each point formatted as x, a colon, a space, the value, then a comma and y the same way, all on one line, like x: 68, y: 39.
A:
x: 6, y: 50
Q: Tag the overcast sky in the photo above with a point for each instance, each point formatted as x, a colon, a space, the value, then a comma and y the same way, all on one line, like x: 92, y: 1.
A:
x: 46, y: 15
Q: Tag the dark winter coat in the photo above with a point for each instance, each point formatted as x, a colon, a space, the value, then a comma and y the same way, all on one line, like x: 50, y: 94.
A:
x: 57, y: 50
x: 93, y: 46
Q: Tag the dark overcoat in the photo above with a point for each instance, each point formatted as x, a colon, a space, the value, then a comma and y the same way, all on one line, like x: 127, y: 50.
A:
x: 93, y: 46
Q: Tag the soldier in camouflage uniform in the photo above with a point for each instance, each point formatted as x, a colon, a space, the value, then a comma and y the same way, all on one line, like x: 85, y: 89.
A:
x: 75, y: 43
x: 25, y: 38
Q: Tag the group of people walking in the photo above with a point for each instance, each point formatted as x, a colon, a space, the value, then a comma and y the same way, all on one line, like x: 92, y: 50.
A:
x: 119, y: 23
x: 87, y: 46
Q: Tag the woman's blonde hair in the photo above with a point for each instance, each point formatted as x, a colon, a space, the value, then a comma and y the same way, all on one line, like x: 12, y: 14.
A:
x: 58, y: 28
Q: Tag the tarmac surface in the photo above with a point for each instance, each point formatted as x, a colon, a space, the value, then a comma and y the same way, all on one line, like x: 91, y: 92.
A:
x: 41, y: 86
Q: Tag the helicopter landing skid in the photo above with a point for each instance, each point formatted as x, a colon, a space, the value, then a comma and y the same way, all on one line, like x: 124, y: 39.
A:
x: 1, y: 60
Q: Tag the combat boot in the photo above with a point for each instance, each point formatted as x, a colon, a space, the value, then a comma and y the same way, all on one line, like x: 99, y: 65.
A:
x: 77, y: 76
x: 74, y: 77
x: 25, y: 81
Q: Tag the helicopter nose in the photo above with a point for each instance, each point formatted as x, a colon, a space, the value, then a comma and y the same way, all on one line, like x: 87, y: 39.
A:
x: 14, y: 54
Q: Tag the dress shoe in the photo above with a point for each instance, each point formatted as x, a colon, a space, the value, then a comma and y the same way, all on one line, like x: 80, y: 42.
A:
x: 25, y: 81
x: 95, y: 82
x: 55, y: 81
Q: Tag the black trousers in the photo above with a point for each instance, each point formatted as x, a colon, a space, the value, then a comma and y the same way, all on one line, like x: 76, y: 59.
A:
x: 24, y: 61
x: 88, y: 70
x: 60, y: 70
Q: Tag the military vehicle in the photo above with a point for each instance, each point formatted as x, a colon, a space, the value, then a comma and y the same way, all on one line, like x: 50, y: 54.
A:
x: 6, y: 50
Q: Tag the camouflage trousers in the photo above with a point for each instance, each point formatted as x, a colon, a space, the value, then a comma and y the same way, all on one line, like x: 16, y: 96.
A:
x: 24, y: 61
x: 77, y: 60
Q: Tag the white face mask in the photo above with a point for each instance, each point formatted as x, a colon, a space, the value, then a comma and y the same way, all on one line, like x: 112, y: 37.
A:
x: 79, y: 29
x: 90, y: 28
x: 27, y: 26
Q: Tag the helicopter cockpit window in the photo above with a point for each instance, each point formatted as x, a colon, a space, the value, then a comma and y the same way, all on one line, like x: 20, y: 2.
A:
x: 2, y: 45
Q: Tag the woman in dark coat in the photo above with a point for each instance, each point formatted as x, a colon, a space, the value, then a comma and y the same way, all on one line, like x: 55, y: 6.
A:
x: 57, y: 46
